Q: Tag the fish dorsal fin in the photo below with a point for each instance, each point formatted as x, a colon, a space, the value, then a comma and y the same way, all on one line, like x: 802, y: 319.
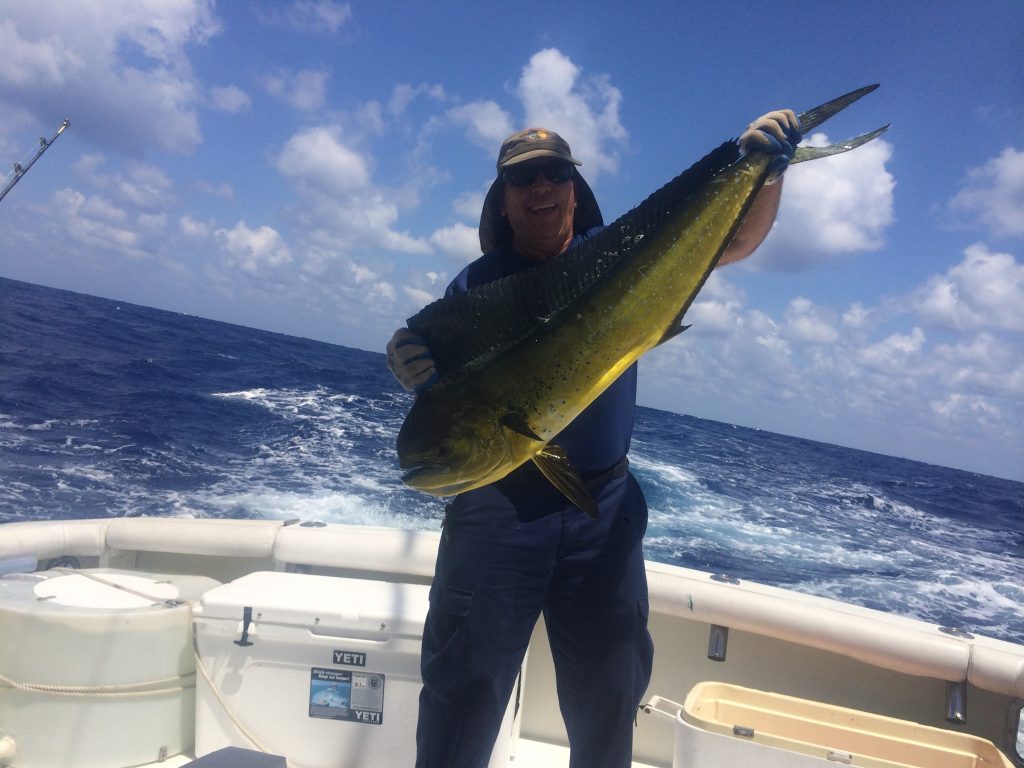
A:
x: 468, y: 329
x: 555, y: 465
x: 674, y: 330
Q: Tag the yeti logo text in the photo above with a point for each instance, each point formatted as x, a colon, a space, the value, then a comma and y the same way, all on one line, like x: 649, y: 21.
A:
x: 350, y: 658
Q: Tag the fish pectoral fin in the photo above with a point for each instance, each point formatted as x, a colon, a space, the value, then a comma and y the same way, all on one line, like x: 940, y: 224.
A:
x: 554, y: 464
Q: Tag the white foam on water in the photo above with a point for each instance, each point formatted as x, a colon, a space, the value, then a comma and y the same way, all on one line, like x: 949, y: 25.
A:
x: 317, y: 506
x: 851, y: 542
x: 943, y: 598
x: 670, y: 474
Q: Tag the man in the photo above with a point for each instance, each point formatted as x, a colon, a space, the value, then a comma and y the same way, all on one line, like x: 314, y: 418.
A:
x: 517, y: 547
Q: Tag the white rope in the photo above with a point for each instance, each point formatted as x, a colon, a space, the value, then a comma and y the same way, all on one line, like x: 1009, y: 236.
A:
x: 122, y: 690
x: 127, y: 689
x: 227, y: 707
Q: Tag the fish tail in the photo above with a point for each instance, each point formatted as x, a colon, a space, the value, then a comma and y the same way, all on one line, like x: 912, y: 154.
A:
x: 813, y: 153
x: 812, y: 118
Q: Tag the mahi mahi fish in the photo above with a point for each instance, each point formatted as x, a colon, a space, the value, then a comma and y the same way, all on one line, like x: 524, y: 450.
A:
x: 521, y: 357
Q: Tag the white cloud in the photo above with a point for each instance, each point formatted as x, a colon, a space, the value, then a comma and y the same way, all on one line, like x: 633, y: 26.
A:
x: 253, y: 250
x: 831, y: 207
x: 404, y: 94
x: 119, y: 68
x: 716, y: 310
x: 341, y: 211
x: 857, y: 316
x: 960, y: 407
x: 27, y: 60
x: 362, y: 274
x: 985, y: 290
x: 371, y: 285
x: 193, y: 228
x: 101, y: 209
x: 418, y: 296
x: 309, y: 15
x: 804, y: 321
x: 469, y: 204
x: 305, y: 90
x: 401, y: 242
x: 850, y: 376
x: 458, y: 241
x: 369, y: 118
x: 99, y: 224
x: 584, y: 111
x: 487, y: 123
x: 230, y: 98
x: 222, y: 190
x: 139, y: 184
x: 145, y: 186
x: 381, y: 290
x: 714, y: 318
x: 894, y: 353
x: 319, y: 158
x: 994, y: 194
x: 984, y: 363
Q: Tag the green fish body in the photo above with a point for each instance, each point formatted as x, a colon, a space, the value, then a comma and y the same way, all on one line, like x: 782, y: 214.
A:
x: 522, y: 357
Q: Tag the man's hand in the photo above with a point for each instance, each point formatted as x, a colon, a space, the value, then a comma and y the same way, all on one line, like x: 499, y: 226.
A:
x: 410, y: 361
x: 776, y: 133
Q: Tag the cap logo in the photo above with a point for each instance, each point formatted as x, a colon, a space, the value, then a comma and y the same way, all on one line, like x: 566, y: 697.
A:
x: 535, y: 135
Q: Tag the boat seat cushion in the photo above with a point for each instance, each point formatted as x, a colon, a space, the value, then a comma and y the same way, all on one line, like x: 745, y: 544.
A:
x: 224, y: 538
x: 54, y: 538
x: 363, y: 549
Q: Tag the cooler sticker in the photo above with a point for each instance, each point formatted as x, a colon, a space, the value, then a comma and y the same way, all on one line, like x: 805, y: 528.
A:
x: 341, y: 694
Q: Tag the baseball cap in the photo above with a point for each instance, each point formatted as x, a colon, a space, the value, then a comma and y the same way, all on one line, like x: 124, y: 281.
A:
x: 532, y: 143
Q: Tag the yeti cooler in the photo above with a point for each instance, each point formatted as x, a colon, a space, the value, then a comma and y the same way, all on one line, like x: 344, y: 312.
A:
x: 320, y: 669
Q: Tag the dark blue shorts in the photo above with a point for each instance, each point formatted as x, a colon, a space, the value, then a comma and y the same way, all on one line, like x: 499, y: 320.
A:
x: 501, y: 562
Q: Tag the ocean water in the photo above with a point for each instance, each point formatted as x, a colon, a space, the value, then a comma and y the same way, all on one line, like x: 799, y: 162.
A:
x: 109, y: 409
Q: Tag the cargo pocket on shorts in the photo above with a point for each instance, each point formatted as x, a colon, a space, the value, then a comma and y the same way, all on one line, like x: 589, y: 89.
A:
x: 443, y: 636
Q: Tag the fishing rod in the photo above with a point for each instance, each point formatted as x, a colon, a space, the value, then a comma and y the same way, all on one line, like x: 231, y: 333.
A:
x: 20, y: 169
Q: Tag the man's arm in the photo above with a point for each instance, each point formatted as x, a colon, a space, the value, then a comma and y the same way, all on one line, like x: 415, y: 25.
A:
x: 756, y: 226
x: 776, y: 133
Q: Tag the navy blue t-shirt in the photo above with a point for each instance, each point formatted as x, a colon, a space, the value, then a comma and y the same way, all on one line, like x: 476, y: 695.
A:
x: 599, y: 437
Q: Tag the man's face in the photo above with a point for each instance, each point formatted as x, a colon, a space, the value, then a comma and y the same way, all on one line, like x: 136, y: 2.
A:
x: 540, y: 212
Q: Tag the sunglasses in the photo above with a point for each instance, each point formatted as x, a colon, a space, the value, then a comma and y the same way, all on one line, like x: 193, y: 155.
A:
x: 524, y: 175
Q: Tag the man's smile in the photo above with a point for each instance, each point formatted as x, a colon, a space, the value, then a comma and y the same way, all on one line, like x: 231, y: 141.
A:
x: 548, y: 208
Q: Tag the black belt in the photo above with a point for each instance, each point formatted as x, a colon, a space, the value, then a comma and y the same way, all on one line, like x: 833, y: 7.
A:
x: 595, y: 480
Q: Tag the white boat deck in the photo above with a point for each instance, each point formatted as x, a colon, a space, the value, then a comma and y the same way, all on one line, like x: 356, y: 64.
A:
x: 536, y: 754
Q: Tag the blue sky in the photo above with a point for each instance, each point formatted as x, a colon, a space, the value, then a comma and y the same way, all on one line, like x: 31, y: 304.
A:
x: 317, y: 168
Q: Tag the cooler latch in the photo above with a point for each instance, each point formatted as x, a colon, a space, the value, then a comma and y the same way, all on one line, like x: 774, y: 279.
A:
x: 244, y: 640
